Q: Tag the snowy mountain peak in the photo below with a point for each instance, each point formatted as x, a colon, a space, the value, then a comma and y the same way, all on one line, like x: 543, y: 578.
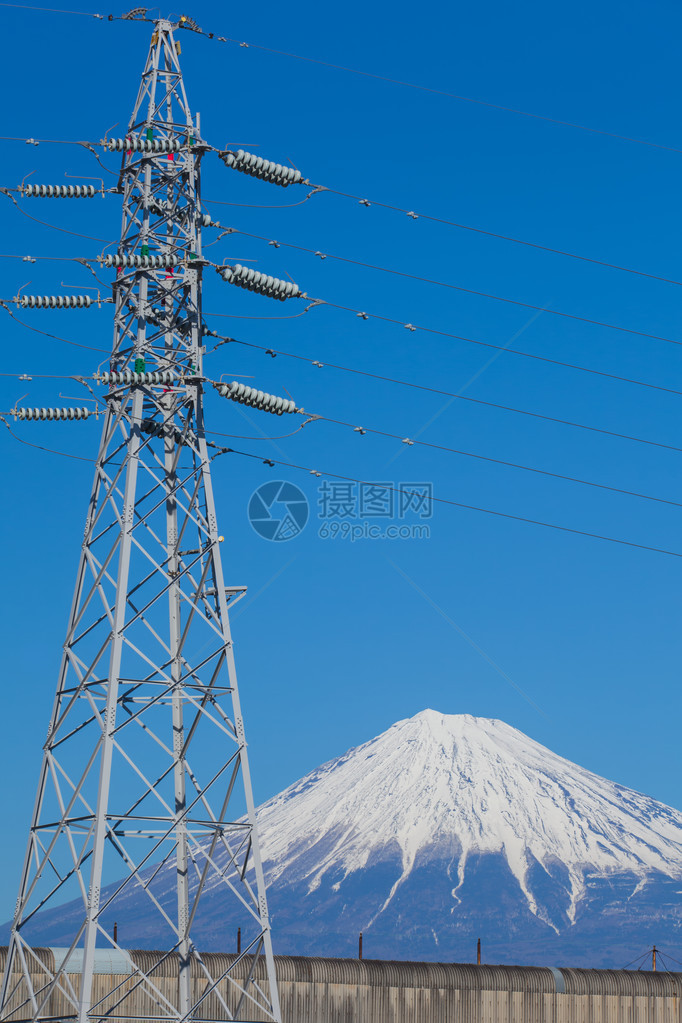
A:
x: 455, y: 784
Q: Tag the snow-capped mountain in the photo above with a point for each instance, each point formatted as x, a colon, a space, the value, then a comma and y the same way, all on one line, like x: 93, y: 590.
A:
x: 457, y: 785
x: 446, y: 828
x: 449, y: 827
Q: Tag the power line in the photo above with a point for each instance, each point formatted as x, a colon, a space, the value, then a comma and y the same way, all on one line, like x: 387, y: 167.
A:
x: 468, y: 507
x: 44, y: 376
x: 54, y: 227
x: 500, y: 348
x: 448, y: 394
x: 455, y: 287
x: 411, y: 326
x: 407, y: 493
x: 387, y: 379
x: 31, y: 141
x: 502, y: 237
x: 497, y: 461
x: 372, y: 75
x: 53, y: 10
x: 411, y: 442
x: 391, y: 380
x: 388, y: 206
x: 397, y: 209
x: 450, y: 95
x: 49, y: 259
x: 638, y: 959
x: 39, y: 447
x: 264, y: 436
x: 461, y: 337
x: 259, y: 206
x: 54, y: 337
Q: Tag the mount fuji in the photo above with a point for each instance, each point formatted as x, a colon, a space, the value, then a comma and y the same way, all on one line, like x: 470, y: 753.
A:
x: 446, y: 828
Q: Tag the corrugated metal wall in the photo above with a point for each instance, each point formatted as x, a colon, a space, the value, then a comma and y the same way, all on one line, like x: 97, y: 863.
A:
x: 373, y: 991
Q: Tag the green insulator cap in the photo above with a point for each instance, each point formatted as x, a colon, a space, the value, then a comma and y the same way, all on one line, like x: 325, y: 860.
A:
x: 139, y: 365
x: 144, y: 251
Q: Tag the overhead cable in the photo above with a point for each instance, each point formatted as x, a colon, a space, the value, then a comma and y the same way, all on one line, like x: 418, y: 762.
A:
x: 468, y: 507
x: 386, y: 319
x: 54, y: 227
x: 473, y: 341
x: 497, y: 461
x: 54, y: 337
x: 502, y: 237
x: 455, y: 287
x: 51, y: 451
x: 378, y: 376
x: 273, y: 352
x: 268, y: 170
x: 502, y: 348
x: 53, y: 10
x: 401, y: 490
x: 258, y: 206
x: 447, y: 95
x: 371, y: 75
x: 412, y: 214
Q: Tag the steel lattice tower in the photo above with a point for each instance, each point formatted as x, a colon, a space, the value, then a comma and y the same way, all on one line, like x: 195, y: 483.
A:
x: 145, y: 785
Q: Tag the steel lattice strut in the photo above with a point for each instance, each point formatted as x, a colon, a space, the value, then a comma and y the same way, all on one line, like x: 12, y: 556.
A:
x: 144, y: 785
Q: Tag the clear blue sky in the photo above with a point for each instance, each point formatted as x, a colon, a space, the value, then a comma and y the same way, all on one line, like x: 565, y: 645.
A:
x: 335, y: 642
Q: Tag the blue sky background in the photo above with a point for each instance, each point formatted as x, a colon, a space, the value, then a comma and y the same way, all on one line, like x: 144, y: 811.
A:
x: 334, y: 643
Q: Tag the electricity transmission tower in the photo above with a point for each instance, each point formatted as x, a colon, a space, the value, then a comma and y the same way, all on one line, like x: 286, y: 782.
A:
x: 144, y: 789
